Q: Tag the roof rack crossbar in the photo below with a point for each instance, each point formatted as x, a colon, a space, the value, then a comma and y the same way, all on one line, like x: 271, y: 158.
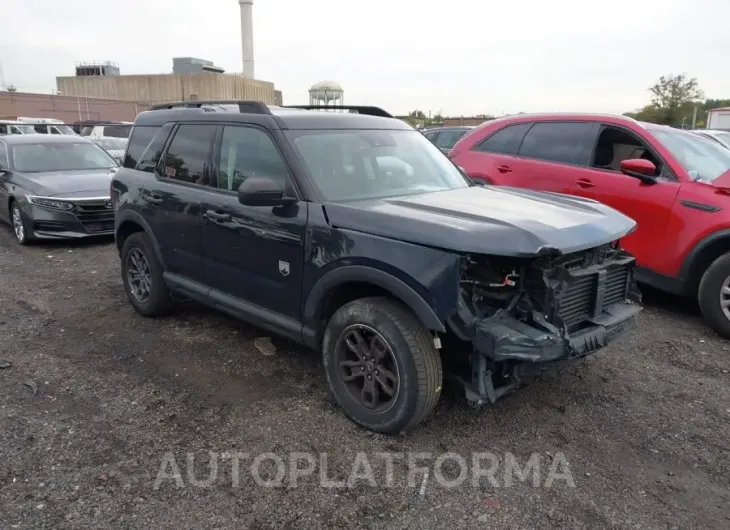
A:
x: 361, y: 109
x: 250, y: 107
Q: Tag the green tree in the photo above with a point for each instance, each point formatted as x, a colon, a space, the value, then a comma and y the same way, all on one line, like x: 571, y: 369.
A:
x: 674, y: 98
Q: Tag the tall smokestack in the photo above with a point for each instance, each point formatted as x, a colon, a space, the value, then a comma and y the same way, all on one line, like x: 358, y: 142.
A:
x: 247, y: 37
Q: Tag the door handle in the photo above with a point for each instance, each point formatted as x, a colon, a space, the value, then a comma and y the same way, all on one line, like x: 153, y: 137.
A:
x: 585, y: 183
x: 217, y: 217
x: 152, y: 198
x: 504, y: 169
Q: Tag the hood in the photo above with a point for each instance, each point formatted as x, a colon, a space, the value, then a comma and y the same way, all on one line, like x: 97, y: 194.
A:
x: 487, y: 220
x: 70, y: 184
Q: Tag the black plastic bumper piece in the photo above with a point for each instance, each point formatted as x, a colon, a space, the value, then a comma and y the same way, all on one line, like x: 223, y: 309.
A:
x: 504, y: 338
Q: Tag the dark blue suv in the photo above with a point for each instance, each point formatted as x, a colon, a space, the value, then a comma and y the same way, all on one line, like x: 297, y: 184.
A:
x: 351, y: 233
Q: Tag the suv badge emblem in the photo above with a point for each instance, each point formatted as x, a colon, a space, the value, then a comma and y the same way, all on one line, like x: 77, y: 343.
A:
x: 284, y: 268
x: 108, y: 203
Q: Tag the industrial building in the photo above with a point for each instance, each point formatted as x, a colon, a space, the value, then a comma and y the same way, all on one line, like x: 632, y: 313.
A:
x: 191, y: 78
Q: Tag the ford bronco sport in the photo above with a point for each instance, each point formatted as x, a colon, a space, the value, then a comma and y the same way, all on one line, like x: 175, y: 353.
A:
x: 351, y: 233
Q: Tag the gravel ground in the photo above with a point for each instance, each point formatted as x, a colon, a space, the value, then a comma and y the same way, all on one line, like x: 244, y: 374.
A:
x: 97, y: 399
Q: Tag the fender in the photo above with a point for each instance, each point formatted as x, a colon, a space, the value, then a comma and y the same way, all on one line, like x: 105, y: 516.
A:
x: 359, y: 273
x: 705, y: 244
x: 130, y: 215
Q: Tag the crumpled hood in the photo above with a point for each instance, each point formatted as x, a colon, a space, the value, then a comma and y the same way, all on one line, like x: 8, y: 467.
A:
x: 487, y: 220
x: 69, y: 184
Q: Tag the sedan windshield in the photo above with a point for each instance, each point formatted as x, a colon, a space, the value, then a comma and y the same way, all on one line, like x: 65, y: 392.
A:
x: 40, y: 157
x: 704, y: 159
x: 368, y: 164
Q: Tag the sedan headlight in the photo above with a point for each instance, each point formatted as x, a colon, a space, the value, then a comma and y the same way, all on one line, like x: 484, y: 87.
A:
x: 47, y: 202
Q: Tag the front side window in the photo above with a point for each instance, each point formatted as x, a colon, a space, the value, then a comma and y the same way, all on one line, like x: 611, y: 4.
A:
x: 249, y: 152
x: 42, y: 157
x: 702, y: 158
x: 615, y: 145
x: 556, y: 141
x: 186, y: 158
x: 367, y: 164
x: 505, y: 141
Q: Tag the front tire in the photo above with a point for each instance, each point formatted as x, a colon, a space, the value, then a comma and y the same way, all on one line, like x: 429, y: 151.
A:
x: 20, y: 227
x: 142, y: 277
x: 714, y: 295
x: 381, y: 365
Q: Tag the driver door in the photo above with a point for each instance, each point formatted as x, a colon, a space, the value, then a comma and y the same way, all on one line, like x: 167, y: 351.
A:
x: 650, y: 205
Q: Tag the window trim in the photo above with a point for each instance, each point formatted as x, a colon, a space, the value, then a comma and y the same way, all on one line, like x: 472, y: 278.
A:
x: 159, y: 174
x: 667, y: 171
x: 216, y: 159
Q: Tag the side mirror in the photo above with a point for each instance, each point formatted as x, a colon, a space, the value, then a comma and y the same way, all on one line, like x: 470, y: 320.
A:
x: 261, y: 191
x: 639, y: 169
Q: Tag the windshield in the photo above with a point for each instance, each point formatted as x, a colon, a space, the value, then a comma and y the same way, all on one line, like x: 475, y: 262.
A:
x: 704, y: 159
x: 35, y: 158
x: 723, y: 136
x: 112, y: 144
x: 368, y: 164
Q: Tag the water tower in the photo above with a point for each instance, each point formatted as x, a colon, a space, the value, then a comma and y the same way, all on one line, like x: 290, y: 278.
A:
x: 326, y: 93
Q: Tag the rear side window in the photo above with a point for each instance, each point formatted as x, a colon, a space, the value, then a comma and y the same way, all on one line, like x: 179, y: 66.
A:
x: 447, y: 139
x: 3, y: 156
x: 556, y: 141
x: 140, y: 138
x: 505, y: 141
x: 117, y: 131
x: 187, y: 155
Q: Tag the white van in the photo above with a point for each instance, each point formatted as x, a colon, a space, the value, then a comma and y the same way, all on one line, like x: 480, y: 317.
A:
x: 47, y: 125
x: 15, y: 127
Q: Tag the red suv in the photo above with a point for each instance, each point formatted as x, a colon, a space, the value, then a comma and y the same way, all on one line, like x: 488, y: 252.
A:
x: 674, y: 183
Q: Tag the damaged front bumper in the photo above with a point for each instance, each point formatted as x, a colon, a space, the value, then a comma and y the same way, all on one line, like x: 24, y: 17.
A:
x: 504, y: 338
x: 586, y: 309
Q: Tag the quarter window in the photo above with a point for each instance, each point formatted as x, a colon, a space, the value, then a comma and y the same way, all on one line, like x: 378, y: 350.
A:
x: 505, y: 141
x: 249, y: 152
x: 557, y: 142
x: 140, y: 138
x: 187, y: 156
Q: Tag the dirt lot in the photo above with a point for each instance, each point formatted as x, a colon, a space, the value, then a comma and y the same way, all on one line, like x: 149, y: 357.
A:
x: 97, y: 396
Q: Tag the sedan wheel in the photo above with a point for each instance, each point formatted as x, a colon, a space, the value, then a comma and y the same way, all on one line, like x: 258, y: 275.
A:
x: 18, y: 226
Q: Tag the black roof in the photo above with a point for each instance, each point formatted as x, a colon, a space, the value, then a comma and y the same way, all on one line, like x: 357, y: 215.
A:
x: 271, y: 116
x: 14, y: 139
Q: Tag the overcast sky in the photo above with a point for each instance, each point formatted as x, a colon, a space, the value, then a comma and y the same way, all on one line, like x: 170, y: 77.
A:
x: 459, y: 57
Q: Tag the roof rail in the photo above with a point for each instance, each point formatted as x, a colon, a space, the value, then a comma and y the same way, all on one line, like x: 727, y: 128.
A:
x: 360, y: 109
x: 250, y: 107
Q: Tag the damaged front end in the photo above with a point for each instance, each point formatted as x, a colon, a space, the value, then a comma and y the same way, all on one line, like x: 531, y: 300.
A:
x: 525, y: 317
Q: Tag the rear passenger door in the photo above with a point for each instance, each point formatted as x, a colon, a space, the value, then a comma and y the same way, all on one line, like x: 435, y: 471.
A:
x: 553, y: 155
x: 171, y: 201
x: 254, y: 253
x: 492, y: 160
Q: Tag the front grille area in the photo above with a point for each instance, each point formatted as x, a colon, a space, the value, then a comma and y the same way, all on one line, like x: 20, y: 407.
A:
x: 592, y: 290
x: 95, y: 216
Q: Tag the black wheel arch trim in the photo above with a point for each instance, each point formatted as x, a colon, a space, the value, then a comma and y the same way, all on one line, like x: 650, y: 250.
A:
x: 691, y: 258
x: 359, y: 273
x: 134, y: 217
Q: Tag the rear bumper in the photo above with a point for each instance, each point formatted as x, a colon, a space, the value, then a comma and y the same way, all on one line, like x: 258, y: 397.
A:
x: 504, y: 338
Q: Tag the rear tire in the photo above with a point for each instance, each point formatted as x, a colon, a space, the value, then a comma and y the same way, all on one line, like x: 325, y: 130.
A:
x: 413, y: 373
x: 142, y: 277
x: 714, y: 293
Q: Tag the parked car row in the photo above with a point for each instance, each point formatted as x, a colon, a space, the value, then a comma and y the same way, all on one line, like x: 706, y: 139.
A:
x: 674, y: 183
x: 354, y: 235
